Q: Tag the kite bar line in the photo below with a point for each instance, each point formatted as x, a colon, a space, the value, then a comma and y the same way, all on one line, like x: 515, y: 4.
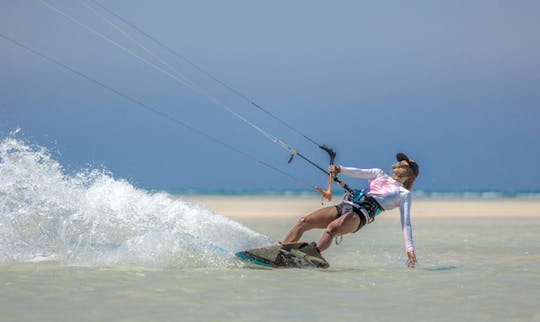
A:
x: 177, y: 76
x: 152, y: 109
x: 197, y: 67
x: 196, y: 89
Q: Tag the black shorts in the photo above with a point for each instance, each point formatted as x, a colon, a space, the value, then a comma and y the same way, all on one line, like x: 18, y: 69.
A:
x: 345, y: 208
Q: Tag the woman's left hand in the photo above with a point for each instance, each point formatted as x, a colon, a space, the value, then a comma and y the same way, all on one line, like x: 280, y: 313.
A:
x: 411, y: 259
x: 334, y: 169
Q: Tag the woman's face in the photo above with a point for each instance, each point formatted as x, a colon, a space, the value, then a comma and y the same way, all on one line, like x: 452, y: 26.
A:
x: 401, y: 172
x: 400, y: 169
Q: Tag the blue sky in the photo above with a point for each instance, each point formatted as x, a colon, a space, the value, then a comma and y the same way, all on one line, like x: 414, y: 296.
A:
x: 455, y: 84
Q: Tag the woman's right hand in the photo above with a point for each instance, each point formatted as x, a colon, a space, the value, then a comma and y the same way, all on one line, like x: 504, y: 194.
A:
x: 411, y: 259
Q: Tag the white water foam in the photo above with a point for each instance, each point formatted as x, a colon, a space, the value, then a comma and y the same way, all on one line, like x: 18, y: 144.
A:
x: 90, y: 218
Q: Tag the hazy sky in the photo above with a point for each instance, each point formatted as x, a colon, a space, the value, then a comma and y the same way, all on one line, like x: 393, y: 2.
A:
x: 454, y: 84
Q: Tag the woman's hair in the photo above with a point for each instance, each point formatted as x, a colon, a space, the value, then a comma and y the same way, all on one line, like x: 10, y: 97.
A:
x: 403, y: 173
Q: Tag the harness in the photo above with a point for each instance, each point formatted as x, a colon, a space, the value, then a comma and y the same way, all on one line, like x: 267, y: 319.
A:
x: 358, y: 199
x: 366, y: 205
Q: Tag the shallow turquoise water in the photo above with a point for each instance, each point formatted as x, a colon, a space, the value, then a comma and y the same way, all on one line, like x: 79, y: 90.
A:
x: 472, y: 270
x: 88, y: 247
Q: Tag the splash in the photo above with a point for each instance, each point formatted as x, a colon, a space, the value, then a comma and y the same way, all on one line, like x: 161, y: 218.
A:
x: 90, y: 218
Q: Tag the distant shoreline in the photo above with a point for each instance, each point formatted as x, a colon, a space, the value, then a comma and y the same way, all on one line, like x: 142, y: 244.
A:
x: 417, y: 194
x: 273, y: 206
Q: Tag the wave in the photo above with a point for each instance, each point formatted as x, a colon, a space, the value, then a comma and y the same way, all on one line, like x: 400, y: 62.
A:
x: 90, y: 218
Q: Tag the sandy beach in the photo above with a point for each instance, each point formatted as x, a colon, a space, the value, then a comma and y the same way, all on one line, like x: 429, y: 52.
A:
x: 296, y: 206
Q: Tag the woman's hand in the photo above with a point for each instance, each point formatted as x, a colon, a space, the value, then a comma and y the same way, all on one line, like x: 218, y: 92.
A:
x: 411, y: 259
x: 334, y: 169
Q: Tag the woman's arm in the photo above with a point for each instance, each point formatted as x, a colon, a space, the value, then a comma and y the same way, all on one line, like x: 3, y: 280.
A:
x: 406, y: 227
x: 368, y: 174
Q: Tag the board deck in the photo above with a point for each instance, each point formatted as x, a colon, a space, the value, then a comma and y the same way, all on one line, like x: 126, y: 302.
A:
x: 299, y: 255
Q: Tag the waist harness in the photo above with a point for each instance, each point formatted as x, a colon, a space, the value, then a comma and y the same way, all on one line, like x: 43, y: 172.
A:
x: 359, y: 200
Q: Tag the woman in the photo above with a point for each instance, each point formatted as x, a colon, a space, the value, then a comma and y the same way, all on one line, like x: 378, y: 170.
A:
x: 361, y: 207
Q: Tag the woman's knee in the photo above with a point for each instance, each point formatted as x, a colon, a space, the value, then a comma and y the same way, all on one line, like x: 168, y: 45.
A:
x: 317, y: 219
x: 343, y: 225
x: 302, y: 224
x: 332, y: 229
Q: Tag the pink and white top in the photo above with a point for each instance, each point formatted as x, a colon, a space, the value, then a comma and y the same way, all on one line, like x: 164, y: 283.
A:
x: 389, y: 194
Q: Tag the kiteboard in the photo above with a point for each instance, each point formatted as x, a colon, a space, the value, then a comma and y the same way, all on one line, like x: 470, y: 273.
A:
x: 297, y: 255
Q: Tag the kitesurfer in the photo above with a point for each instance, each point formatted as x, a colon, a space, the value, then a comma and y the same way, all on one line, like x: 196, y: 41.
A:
x: 360, y: 207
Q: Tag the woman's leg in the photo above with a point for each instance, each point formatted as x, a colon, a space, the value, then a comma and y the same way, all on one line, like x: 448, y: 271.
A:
x: 345, y: 224
x: 318, y: 219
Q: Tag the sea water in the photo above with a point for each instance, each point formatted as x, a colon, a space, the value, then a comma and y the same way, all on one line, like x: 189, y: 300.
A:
x: 89, y: 247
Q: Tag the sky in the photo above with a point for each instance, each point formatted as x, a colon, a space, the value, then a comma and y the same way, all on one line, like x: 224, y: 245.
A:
x: 453, y: 84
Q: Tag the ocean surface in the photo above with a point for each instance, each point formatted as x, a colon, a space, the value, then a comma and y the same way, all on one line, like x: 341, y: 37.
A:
x: 88, y: 247
x: 467, y: 271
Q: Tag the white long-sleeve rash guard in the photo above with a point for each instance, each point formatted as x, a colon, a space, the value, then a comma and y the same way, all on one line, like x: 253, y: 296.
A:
x: 389, y: 194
